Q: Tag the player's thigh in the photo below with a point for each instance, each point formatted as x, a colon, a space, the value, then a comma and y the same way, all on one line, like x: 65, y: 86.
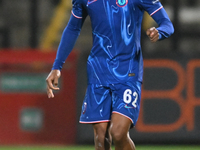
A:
x: 119, y: 126
x: 101, y: 128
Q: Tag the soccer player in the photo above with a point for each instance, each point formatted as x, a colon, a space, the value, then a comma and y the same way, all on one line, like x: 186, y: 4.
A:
x: 114, y: 66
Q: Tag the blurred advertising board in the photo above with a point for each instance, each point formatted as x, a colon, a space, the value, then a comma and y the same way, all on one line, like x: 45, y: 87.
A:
x: 27, y: 116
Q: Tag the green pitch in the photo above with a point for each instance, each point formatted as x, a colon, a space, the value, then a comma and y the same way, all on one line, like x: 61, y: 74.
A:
x: 164, y: 147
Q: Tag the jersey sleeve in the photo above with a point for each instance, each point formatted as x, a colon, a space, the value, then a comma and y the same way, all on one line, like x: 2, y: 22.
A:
x: 70, y: 34
x: 151, y: 6
x: 158, y: 13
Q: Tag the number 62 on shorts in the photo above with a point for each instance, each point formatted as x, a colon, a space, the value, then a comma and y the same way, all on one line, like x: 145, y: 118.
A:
x: 129, y: 97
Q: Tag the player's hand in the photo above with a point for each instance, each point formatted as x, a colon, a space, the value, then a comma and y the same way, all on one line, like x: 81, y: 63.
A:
x: 52, y: 82
x: 153, y: 34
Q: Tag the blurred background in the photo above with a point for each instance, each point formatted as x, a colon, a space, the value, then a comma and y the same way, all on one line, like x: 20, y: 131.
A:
x: 30, y: 31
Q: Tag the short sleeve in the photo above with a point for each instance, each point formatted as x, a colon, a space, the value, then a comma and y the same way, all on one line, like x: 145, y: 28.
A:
x: 151, y: 6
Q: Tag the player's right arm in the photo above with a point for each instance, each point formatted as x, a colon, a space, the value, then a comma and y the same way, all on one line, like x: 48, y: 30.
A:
x: 70, y: 34
x: 69, y: 37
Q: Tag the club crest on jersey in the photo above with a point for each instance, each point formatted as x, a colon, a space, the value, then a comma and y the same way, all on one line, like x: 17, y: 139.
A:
x: 121, y: 3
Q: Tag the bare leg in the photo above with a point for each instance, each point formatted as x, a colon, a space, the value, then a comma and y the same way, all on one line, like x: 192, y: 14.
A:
x: 119, y: 130
x: 102, y: 137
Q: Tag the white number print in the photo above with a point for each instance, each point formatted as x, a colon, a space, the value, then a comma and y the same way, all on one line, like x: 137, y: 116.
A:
x: 127, y: 97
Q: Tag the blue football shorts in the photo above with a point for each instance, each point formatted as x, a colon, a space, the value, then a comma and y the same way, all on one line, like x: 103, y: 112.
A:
x: 101, y: 101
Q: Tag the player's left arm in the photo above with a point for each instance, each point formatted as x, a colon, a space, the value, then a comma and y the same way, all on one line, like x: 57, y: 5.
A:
x: 165, y: 27
x: 157, y: 12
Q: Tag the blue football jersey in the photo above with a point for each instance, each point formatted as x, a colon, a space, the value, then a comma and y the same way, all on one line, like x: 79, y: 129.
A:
x: 116, y: 55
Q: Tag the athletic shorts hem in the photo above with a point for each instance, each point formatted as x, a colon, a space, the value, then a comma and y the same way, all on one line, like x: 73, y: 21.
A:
x: 91, y: 122
x: 123, y: 115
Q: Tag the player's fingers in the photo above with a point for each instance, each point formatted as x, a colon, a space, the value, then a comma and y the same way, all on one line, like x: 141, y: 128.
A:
x: 49, y: 82
x: 155, y: 37
x: 148, y: 32
x: 50, y: 93
x: 152, y: 34
x: 55, y: 82
x: 153, y: 31
x: 52, y: 82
